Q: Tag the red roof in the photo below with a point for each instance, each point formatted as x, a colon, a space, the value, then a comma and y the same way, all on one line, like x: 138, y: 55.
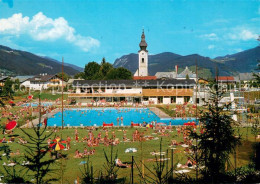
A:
x: 225, y: 78
x: 144, y: 77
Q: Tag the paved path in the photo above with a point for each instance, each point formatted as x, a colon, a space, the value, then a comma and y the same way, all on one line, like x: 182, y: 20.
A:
x: 159, y: 112
x: 36, y: 121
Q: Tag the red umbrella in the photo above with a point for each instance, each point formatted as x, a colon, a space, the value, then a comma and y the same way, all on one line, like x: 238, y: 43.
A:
x: 11, y: 125
x: 11, y: 102
x: 30, y: 96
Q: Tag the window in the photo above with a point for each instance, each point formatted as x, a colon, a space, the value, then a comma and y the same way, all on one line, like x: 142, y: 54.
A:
x: 142, y: 60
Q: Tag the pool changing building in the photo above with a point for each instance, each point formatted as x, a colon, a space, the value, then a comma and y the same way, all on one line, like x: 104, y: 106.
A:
x: 145, y: 92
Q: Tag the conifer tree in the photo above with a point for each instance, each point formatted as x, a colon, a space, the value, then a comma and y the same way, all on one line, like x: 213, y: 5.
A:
x: 39, y: 167
x: 218, y: 141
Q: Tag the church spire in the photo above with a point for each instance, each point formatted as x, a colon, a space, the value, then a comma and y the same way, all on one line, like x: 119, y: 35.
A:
x: 143, y: 43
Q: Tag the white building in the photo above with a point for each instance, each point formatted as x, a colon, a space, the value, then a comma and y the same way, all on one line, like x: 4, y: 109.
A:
x: 169, y: 91
x: 43, y: 81
x: 142, y: 58
x: 186, y: 73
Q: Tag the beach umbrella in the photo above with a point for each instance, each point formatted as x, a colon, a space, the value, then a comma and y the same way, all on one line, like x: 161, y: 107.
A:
x: 58, y: 144
x: 11, y: 125
x: 149, y: 125
x: 130, y: 150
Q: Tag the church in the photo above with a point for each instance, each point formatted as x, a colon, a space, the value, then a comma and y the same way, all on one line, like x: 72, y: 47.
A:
x: 142, y: 58
x: 143, y: 73
x: 142, y: 89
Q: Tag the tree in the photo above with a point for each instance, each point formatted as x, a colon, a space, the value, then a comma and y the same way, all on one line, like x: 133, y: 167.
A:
x: 159, y: 172
x: 36, y: 153
x: 119, y: 73
x: 7, y: 91
x: 187, y: 77
x: 91, y: 69
x: 16, y: 84
x: 219, y: 140
x: 66, y: 77
x: 105, y: 68
x: 110, y: 174
x: 103, y: 61
x: 80, y: 75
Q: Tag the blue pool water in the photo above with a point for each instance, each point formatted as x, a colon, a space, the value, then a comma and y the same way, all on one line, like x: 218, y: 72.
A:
x: 96, y: 117
x: 34, y: 104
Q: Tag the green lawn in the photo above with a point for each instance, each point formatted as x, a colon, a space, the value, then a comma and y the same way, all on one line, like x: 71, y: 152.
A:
x: 72, y: 168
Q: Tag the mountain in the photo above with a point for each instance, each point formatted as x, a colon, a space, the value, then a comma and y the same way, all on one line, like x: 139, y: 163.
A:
x: 166, y: 61
x: 18, y: 62
x: 244, y: 61
x: 66, y: 64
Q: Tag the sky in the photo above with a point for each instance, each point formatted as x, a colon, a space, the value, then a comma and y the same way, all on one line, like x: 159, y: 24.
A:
x: 88, y: 30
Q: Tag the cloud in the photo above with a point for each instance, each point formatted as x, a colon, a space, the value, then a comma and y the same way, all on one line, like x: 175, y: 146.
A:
x: 211, y: 36
x: 210, y: 47
x: 43, y: 28
x: 243, y: 34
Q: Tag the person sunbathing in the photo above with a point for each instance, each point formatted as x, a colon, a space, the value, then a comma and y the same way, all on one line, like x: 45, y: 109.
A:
x: 189, y: 163
x: 78, y: 154
x: 92, y: 152
x: 89, y: 143
x: 174, y: 143
x: 119, y: 163
x: 85, y: 152
x: 84, y: 138
x: 116, y: 141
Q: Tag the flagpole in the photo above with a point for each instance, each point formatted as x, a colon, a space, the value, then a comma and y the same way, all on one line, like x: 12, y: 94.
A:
x: 62, y: 121
x: 196, y: 118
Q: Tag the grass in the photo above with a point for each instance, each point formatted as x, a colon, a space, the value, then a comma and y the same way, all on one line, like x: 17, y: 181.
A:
x: 252, y: 95
x: 168, y: 109
x: 73, y: 169
x: 20, y: 96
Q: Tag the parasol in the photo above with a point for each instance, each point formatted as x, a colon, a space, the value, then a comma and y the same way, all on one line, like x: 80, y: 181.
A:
x: 30, y: 97
x: 11, y: 102
x: 149, y: 125
x: 58, y: 144
x: 11, y: 125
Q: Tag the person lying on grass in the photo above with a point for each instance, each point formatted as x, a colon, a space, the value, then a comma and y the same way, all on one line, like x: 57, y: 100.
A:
x: 188, y: 164
x: 119, y: 163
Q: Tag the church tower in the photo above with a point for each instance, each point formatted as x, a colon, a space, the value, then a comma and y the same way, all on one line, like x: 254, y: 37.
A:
x: 143, y: 58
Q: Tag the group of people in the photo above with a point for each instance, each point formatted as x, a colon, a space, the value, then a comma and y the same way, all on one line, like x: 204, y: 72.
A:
x: 85, y: 152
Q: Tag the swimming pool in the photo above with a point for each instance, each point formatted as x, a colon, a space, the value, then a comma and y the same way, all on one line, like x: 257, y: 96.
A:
x: 96, y: 117
x: 34, y: 104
